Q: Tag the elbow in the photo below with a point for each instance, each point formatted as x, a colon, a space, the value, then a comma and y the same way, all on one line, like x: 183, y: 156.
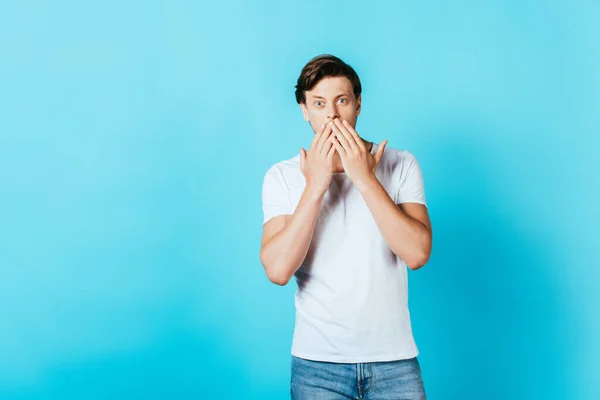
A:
x: 418, y: 261
x: 279, y: 281
x: 420, y: 257
x: 277, y: 278
x: 415, y: 265
x: 272, y: 273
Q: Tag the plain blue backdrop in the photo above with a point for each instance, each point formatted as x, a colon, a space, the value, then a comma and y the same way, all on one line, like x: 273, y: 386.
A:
x: 134, y: 137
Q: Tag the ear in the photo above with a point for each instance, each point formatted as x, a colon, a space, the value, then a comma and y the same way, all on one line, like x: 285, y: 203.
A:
x: 304, y: 111
x: 358, y: 104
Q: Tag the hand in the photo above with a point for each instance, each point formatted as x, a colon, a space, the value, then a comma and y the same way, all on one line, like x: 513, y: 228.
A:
x: 359, y: 164
x: 316, y: 164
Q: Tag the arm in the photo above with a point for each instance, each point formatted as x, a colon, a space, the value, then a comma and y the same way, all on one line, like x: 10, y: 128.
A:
x: 405, y: 227
x: 286, y: 238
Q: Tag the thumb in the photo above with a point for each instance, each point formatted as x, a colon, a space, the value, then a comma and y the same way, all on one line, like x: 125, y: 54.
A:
x: 302, y: 158
x: 380, y: 150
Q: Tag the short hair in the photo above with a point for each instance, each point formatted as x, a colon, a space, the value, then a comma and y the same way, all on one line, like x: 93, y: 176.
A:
x: 322, y: 66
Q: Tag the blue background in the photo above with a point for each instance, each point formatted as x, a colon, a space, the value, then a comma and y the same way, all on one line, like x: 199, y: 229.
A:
x: 135, y: 137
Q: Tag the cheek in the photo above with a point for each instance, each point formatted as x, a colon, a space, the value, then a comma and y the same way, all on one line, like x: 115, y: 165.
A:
x: 315, y: 115
x: 316, y: 119
x: 350, y: 117
x: 349, y: 111
x: 315, y: 124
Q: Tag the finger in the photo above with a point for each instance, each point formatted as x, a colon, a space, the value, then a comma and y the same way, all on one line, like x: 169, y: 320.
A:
x: 324, y: 139
x: 331, y: 152
x: 340, y: 149
x: 380, y: 150
x: 342, y: 140
x: 327, y: 145
x: 302, y: 158
x: 355, y: 144
x: 318, y: 135
x: 345, y: 139
x: 354, y: 134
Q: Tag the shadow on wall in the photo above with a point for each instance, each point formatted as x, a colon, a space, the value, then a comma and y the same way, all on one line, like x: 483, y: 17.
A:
x: 492, y: 320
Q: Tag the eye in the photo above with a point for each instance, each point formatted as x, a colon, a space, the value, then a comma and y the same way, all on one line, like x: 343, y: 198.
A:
x: 317, y: 103
x: 345, y: 101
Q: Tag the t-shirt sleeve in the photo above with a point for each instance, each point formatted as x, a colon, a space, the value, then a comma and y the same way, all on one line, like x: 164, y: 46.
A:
x: 275, y: 199
x: 411, y: 188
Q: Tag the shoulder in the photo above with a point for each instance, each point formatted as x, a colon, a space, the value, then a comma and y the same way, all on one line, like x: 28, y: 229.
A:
x: 285, y: 167
x: 396, y: 160
x: 285, y: 173
x: 400, y: 155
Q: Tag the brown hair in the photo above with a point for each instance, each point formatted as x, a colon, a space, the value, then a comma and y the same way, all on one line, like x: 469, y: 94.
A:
x: 320, y: 67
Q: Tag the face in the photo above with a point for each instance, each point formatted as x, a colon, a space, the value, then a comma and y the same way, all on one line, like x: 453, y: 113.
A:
x: 331, y: 98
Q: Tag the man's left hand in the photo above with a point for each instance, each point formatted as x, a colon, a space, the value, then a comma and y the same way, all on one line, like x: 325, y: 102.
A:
x: 359, y: 164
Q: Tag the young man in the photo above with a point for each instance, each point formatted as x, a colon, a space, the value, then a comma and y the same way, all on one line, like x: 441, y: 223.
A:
x: 346, y: 218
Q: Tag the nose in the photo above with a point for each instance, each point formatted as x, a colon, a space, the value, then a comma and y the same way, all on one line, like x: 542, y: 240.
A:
x: 332, y: 113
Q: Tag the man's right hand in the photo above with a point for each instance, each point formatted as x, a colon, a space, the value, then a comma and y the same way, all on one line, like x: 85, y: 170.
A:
x: 316, y: 164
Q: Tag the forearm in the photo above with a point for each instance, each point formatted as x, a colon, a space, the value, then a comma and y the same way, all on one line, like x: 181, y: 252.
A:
x: 407, y: 237
x: 284, y: 253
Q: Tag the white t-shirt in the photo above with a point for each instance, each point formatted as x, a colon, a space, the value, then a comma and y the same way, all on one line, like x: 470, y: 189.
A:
x: 352, y: 296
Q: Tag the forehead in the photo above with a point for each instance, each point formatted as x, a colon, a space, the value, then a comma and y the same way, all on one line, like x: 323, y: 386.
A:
x: 331, y: 86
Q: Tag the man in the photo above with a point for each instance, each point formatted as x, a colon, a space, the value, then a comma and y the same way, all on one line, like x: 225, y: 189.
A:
x: 346, y: 218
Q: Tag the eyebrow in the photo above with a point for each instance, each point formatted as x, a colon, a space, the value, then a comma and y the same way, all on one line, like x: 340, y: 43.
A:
x: 339, y: 95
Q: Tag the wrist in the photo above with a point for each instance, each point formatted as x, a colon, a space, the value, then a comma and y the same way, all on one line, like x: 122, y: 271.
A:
x: 367, y: 183
x: 314, y: 192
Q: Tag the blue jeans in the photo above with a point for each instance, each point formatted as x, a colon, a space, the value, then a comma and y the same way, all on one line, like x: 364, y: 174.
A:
x: 393, y: 380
